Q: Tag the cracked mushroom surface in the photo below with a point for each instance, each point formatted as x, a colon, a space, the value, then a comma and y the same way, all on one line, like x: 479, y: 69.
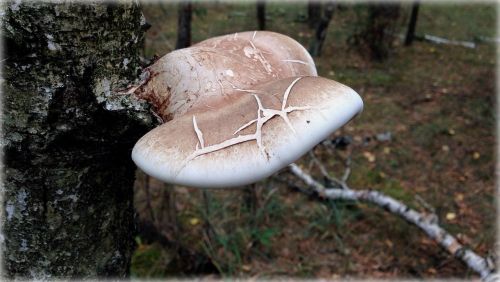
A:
x: 250, y: 138
x: 237, y: 108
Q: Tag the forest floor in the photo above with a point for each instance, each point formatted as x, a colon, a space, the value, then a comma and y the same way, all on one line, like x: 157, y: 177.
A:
x: 437, y: 103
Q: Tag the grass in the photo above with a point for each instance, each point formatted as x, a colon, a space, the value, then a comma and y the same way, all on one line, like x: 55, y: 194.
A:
x: 149, y: 261
x: 438, y: 103
x: 479, y: 17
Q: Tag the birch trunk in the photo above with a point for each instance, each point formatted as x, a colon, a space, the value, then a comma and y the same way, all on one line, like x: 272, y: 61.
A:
x: 68, y: 176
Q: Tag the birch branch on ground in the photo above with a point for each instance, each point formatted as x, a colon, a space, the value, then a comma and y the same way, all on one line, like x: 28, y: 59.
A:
x: 426, y: 223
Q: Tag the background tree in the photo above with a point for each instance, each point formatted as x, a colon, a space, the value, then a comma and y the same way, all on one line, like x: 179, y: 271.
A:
x: 321, y: 30
x: 184, y: 12
x: 410, y: 34
x: 313, y: 13
x: 67, y: 138
x: 261, y: 14
x: 375, y: 35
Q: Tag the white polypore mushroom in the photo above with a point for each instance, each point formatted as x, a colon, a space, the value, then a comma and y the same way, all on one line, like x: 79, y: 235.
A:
x: 219, y: 66
x: 249, y: 137
x: 264, y: 116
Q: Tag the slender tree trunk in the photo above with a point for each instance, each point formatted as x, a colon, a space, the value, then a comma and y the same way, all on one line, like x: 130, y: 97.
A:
x: 184, y: 25
x: 410, y: 34
x: 313, y: 13
x: 375, y: 38
x: 68, y: 176
x: 251, y: 198
x: 321, y: 30
x: 261, y: 14
x: 381, y: 20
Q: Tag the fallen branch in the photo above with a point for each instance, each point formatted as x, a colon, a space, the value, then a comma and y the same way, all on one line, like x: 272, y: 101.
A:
x: 426, y: 222
x: 441, y: 40
x: 488, y: 39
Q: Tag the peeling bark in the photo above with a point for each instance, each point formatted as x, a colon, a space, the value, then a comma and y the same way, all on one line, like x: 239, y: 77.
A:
x: 68, y: 176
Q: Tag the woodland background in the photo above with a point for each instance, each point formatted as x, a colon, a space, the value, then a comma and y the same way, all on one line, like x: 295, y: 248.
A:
x: 426, y: 137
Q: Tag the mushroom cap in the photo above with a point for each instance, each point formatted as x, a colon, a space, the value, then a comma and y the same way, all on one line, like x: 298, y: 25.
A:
x: 218, y: 66
x: 246, y: 136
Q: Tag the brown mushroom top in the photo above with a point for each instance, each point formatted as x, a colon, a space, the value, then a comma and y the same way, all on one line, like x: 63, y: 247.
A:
x: 221, y: 65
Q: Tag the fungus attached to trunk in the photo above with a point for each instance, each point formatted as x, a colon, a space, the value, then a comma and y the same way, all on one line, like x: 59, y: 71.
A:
x: 221, y: 66
x: 237, y: 108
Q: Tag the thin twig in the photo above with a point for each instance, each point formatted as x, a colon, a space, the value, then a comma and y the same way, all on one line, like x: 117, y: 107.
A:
x: 293, y: 184
x: 424, y: 204
x: 172, y: 211
x: 268, y: 196
x: 207, y: 226
x: 323, y: 170
x: 148, y: 198
x: 347, y: 171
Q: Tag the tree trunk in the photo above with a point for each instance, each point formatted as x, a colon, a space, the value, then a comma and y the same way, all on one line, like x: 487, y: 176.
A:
x: 410, y: 34
x: 375, y: 37
x: 381, y: 19
x: 184, y: 15
x: 321, y: 29
x: 261, y: 14
x: 68, y: 136
x: 313, y: 13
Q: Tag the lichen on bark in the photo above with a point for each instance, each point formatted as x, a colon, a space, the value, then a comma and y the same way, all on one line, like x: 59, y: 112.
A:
x: 67, y: 137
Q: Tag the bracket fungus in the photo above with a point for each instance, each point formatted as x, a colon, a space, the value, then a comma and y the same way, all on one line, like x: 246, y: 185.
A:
x: 237, y: 108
